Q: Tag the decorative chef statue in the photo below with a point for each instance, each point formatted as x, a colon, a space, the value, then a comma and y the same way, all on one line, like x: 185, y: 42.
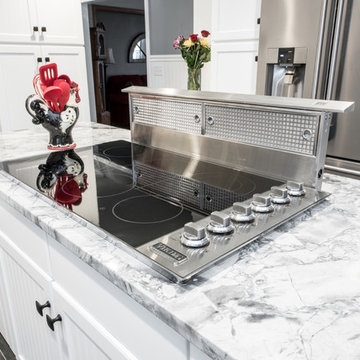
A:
x: 54, y: 106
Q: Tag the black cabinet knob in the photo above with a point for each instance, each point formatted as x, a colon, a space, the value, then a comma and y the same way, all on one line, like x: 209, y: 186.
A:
x: 51, y: 321
x: 43, y: 28
x: 47, y: 59
x: 40, y: 307
x: 35, y: 28
x: 39, y: 59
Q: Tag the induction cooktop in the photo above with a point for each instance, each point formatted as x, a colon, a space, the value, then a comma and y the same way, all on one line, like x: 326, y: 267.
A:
x: 178, y: 214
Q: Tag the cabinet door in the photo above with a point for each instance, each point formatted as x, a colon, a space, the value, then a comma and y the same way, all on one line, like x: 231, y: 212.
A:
x: 62, y: 20
x: 26, y: 284
x: 71, y: 61
x: 6, y: 324
x: 17, y: 21
x: 82, y: 336
x: 18, y: 65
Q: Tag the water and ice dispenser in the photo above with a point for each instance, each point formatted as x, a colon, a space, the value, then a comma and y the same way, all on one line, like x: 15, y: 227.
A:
x: 285, y: 71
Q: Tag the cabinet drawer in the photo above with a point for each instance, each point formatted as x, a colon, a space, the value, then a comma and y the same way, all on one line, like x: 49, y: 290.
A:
x: 140, y: 332
x: 25, y: 235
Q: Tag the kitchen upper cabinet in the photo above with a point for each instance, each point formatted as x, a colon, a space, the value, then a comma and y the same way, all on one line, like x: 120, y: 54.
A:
x: 32, y: 33
x: 17, y: 21
x: 41, y: 21
x: 60, y: 22
x: 18, y: 65
x: 71, y: 61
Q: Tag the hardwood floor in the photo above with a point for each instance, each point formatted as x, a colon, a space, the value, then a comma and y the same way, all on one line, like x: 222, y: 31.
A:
x: 5, y: 351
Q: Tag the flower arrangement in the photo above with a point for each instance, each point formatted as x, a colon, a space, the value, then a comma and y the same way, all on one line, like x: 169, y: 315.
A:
x: 195, y: 51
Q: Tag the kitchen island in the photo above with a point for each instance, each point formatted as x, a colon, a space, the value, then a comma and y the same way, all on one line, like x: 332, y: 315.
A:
x: 293, y: 294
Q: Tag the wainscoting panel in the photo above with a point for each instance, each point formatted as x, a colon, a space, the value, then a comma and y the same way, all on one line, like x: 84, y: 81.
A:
x: 167, y: 71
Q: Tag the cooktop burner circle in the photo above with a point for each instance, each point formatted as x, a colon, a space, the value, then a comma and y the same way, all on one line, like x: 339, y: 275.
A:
x: 146, y: 209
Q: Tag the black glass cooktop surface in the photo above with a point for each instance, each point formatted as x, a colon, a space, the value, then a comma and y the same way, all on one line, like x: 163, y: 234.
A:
x: 134, y: 192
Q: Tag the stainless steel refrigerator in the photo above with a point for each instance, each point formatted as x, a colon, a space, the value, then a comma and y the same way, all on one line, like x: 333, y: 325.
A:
x: 311, y: 49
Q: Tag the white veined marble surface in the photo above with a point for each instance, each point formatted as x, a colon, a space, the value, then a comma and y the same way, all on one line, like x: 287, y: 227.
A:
x: 293, y: 294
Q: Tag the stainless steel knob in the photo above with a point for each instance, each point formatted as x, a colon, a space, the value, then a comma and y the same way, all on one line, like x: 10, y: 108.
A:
x: 262, y: 204
x: 279, y: 195
x: 194, y: 235
x: 242, y: 213
x: 220, y: 223
x: 295, y: 188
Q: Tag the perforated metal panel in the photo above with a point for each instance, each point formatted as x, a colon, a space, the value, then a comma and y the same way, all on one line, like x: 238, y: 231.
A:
x: 189, y: 192
x: 279, y: 130
x: 177, y: 115
x: 168, y: 184
x: 216, y: 198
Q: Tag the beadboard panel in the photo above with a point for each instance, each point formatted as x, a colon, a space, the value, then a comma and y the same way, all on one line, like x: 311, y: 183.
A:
x: 35, y: 340
x: 6, y: 327
x: 167, y: 71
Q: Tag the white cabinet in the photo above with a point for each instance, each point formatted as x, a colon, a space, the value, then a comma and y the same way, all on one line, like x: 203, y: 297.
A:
x: 18, y: 66
x: 71, y: 61
x: 34, y: 339
x: 82, y: 337
x: 23, y: 284
x: 6, y: 323
x: 97, y: 320
x: 41, y: 21
x: 17, y: 20
x: 33, y: 32
x: 62, y: 20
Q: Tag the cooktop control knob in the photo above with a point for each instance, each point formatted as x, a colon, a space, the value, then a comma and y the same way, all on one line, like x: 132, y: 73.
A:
x: 194, y: 235
x: 220, y: 223
x: 295, y: 188
x: 242, y: 213
x: 279, y: 195
x: 261, y: 204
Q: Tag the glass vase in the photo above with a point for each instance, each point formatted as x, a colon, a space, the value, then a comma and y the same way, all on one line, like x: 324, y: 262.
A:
x: 194, y: 79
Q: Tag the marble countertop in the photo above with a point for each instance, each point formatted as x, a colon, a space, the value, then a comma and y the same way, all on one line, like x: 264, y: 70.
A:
x: 292, y: 294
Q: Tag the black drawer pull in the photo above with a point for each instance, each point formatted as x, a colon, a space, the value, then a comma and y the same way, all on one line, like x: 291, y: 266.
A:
x: 47, y: 59
x: 43, y: 28
x: 39, y: 59
x: 51, y: 321
x: 40, y: 307
x: 35, y: 28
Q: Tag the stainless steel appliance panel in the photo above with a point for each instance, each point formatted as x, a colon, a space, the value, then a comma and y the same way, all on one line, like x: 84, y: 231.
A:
x: 291, y: 24
x: 344, y: 136
x: 257, y: 160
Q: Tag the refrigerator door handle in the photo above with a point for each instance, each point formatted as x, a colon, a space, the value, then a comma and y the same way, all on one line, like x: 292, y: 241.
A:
x: 334, y: 52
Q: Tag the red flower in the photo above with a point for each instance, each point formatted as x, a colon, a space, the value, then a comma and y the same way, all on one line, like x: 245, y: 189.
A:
x: 194, y: 37
x: 205, y: 33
